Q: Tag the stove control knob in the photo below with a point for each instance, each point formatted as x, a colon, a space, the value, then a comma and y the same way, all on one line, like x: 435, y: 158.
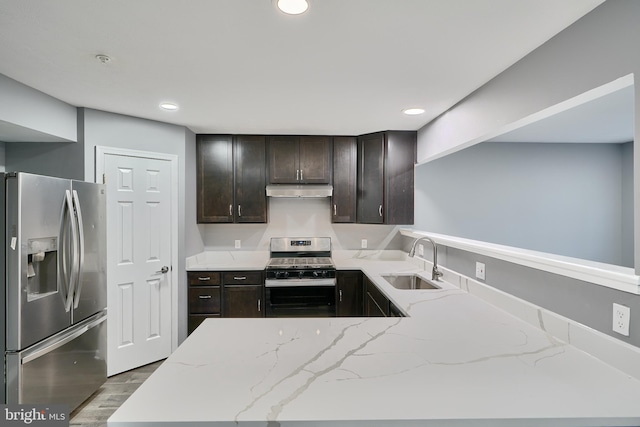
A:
x: 316, y: 274
x: 301, y: 274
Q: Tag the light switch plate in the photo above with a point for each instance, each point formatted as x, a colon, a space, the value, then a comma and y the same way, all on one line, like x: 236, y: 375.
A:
x: 621, y: 319
x: 420, y: 249
x: 363, y: 244
x: 480, y: 271
x: 238, y: 244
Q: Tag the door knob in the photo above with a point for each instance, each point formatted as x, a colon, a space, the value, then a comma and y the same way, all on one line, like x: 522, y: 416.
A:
x: 163, y: 270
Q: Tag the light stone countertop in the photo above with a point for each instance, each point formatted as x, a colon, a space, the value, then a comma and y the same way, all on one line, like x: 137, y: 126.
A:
x: 455, y: 361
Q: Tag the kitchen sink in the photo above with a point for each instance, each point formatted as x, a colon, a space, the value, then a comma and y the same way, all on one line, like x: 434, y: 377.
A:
x: 409, y: 281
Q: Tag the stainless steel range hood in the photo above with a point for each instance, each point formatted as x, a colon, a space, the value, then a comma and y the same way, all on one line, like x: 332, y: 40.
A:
x: 286, y: 190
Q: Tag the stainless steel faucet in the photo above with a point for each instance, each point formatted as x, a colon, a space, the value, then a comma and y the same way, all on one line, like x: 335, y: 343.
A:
x: 435, y: 273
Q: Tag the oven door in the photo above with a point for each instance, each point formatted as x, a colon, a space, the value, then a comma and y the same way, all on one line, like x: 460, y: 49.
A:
x: 300, y: 298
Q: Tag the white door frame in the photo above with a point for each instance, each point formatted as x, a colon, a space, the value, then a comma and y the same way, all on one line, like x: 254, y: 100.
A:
x: 101, y: 151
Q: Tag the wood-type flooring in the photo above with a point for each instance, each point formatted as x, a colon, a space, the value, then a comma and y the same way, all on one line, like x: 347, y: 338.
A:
x: 95, y: 411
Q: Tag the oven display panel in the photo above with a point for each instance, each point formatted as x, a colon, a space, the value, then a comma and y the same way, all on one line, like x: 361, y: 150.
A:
x: 300, y: 243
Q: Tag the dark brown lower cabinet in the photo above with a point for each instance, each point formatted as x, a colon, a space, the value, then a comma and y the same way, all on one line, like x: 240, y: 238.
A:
x: 375, y: 304
x: 214, y: 294
x: 242, y: 294
x: 349, y: 294
x: 204, y: 297
x: 224, y: 294
x: 243, y: 301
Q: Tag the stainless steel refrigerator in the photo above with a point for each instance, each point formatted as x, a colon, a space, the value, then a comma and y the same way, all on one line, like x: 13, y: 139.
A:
x: 54, y: 289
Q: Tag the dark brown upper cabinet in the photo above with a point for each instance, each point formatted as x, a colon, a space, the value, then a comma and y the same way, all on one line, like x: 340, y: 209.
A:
x: 214, y: 174
x: 345, y: 166
x: 300, y: 159
x: 231, y: 179
x: 250, y: 178
x: 386, y: 162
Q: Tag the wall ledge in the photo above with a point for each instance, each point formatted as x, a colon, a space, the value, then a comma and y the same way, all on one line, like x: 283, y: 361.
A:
x: 608, y: 275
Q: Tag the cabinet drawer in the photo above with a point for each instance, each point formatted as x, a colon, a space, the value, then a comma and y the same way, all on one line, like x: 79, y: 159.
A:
x: 204, y: 300
x: 242, y: 278
x: 203, y: 278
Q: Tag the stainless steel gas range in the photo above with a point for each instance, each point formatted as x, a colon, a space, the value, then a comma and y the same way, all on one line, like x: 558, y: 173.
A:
x: 300, y: 278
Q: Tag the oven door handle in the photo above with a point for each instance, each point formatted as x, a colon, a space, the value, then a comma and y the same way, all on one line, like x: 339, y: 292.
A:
x: 288, y: 283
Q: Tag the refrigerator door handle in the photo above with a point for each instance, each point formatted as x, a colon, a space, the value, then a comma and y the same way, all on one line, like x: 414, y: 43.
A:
x: 63, y: 280
x: 79, y: 258
x: 47, y: 347
x: 67, y: 280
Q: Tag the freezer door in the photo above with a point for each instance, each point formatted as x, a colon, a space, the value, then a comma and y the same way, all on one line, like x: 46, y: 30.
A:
x: 65, y: 369
x: 35, y: 297
x: 90, y: 294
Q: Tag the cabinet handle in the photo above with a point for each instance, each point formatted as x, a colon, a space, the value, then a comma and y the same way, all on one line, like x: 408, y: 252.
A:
x: 204, y: 296
x: 335, y: 210
x: 380, y: 210
x: 297, y: 174
x: 301, y: 177
x: 239, y: 210
x: 258, y: 304
x: 340, y: 292
x: 230, y: 209
x: 203, y: 279
x: 239, y: 277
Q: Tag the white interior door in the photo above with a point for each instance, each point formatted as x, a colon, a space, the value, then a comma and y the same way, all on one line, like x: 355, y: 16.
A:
x: 139, y: 259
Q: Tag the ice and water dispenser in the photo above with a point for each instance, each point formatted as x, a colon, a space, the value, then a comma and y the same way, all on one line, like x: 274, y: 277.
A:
x: 42, y: 267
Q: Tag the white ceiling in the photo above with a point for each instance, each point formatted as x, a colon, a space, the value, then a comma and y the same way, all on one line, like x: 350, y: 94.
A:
x: 241, y: 66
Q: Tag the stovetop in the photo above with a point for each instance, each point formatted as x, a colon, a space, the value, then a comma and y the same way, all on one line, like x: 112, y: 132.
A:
x: 300, y: 263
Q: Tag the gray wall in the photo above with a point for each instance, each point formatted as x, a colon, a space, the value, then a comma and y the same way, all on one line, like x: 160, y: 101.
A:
x: 564, y: 199
x: 596, y: 50
x: 61, y: 159
x: 193, y: 238
x: 24, y: 107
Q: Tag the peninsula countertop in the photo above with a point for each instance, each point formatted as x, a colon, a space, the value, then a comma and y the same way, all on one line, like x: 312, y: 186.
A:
x: 455, y: 360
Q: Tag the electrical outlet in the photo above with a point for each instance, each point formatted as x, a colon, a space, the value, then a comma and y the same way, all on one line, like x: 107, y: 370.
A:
x: 363, y: 244
x: 420, y: 249
x: 480, y: 271
x: 621, y: 319
x: 238, y: 244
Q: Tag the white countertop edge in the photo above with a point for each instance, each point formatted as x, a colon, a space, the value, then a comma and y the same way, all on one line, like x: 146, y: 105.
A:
x: 608, y: 275
x: 466, y: 422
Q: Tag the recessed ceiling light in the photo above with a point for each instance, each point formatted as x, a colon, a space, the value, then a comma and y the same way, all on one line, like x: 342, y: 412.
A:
x: 293, y: 7
x: 168, y: 106
x: 413, y: 111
